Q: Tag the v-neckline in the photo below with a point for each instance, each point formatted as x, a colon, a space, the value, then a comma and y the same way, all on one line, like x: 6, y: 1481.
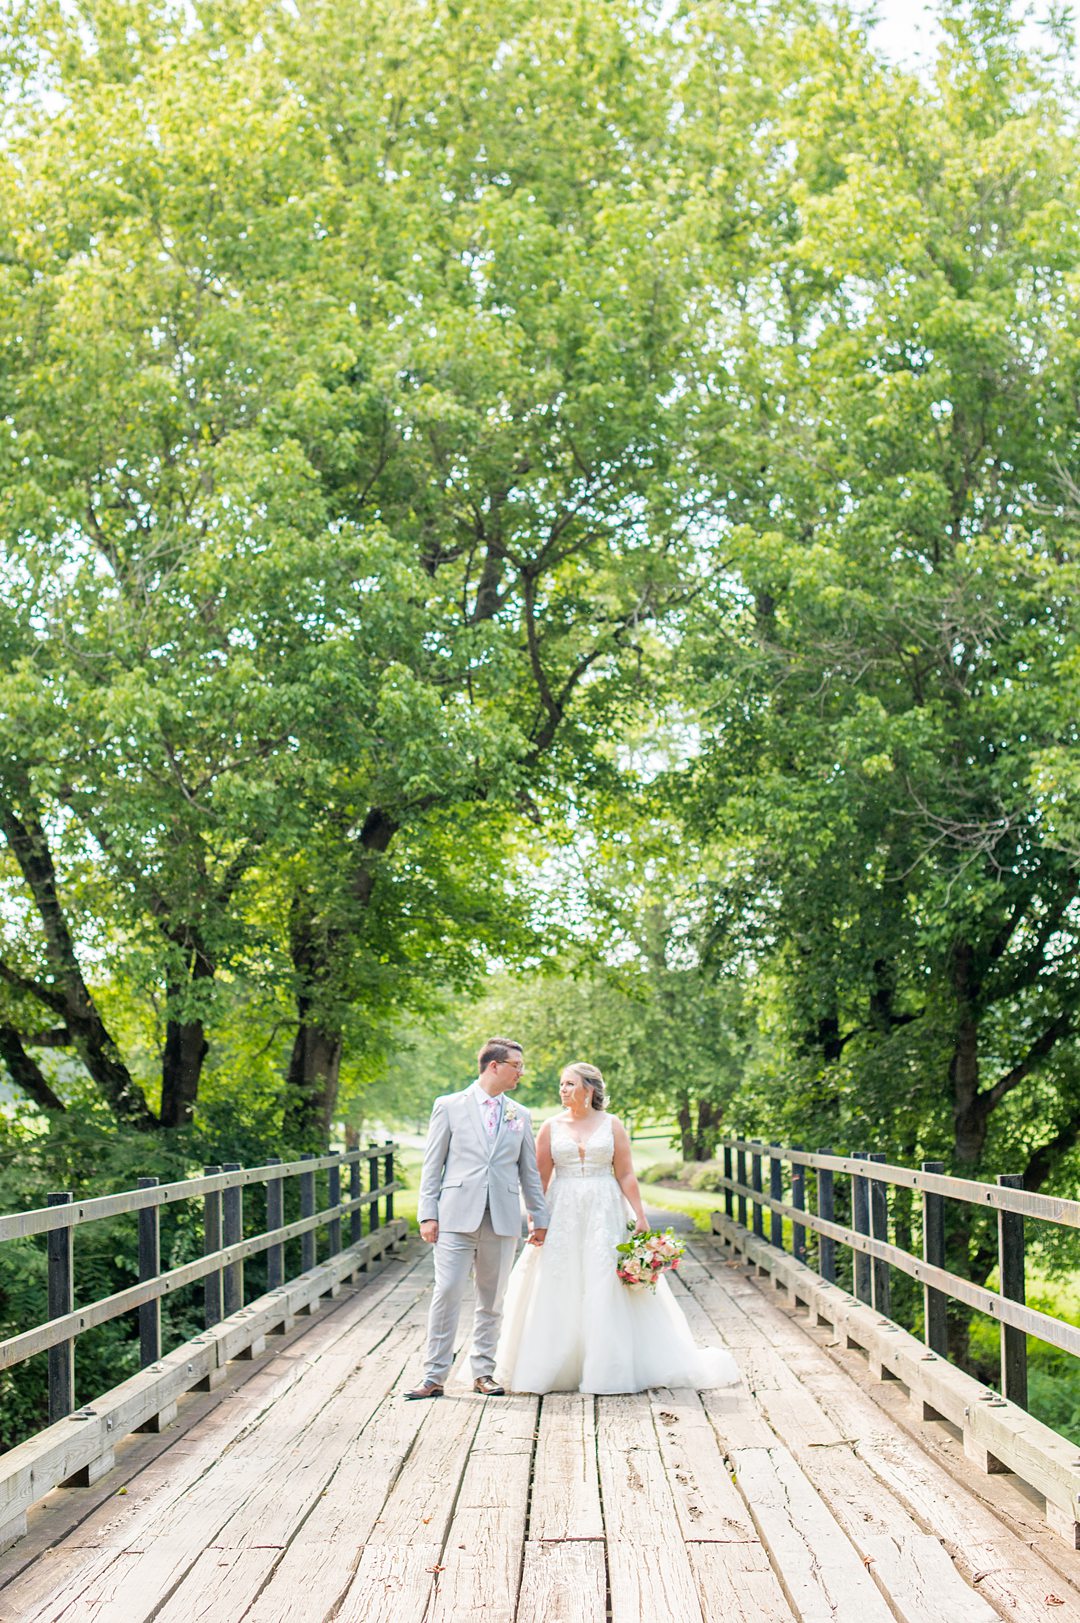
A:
x: 580, y: 1144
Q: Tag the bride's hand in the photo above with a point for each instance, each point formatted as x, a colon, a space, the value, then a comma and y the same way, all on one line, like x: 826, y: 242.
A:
x: 641, y: 1226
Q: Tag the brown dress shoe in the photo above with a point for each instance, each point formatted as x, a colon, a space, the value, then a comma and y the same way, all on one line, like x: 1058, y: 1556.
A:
x: 490, y: 1388
x: 430, y: 1389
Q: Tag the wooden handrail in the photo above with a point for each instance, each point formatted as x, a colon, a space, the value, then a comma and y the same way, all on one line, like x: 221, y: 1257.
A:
x: 16, y: 1349
x: 221, y: 1265
x: 1027, y: 1203
x: 1058, y: 1332
x: 873, y: 1255
x: 41, y: 1219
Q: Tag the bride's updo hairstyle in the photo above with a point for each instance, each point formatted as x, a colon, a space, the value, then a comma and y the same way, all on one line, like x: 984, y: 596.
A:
x: 592, y: 1079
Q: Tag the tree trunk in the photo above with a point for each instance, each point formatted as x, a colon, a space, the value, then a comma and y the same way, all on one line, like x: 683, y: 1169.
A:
x: 315, y: 1061
x: 708, y: 1129
x: 186, y: 1046
x: 686, y: 1127
x: 68, y: 994
x: 312, y: 1074
x: 312, y: 1080
x: 969, y: 1114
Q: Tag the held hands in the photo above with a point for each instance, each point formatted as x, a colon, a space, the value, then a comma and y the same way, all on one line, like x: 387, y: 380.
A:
x: 536, y: 1236
x: 429, y: 1231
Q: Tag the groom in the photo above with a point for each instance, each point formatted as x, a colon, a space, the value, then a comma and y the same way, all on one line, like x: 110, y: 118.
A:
x: 479, y: 1150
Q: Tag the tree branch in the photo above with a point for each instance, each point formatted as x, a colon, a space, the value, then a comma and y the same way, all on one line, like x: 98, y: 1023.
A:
x: 1060, y: 1027
x: 25, y: 1071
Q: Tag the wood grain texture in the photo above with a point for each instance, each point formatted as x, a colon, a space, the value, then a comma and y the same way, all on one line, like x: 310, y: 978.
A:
x: 651, y: 1581
x: 564, y: 1582
x: 566, y: 1483
x: 1016, y: 1565
x: 820, y: 1572
x: 175, y: 1509
x: 649, y: 1574
x: 313, y: 1492
x: 736, y: 1584
x: 483, y: 1548
x: 707, y: 1504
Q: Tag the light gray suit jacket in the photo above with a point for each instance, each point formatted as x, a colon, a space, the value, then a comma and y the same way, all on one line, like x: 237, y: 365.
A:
x: 465, y: 1170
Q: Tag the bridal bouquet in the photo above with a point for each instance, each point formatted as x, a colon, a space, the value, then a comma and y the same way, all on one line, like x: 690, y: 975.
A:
x: 644, y: 1257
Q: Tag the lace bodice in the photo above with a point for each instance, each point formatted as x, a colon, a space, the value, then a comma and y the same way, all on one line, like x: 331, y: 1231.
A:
x: 592, y: 1158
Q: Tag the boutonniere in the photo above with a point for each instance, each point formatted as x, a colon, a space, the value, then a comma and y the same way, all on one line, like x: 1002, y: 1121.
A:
x: 511, y: 1117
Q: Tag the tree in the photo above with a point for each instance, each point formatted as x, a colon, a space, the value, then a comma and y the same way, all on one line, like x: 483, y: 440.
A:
x: 887, y: 662
x: 347, y: 473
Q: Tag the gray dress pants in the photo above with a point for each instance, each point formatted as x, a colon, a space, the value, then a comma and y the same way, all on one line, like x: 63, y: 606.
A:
x: 491, y: 1257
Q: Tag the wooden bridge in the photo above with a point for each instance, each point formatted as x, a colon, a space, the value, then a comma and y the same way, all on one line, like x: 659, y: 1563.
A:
x: 304, y: 1488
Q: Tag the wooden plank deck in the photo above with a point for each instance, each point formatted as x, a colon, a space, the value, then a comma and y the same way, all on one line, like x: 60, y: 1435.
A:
x: 309, y: 1490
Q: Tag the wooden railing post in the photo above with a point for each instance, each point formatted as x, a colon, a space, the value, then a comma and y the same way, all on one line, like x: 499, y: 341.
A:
x: 740, y: 1176
x: 880, y: 1290
x: 212, y: 1284
x: 798, y: 1200
x: 334, y: 1199
x: 935, y: 1302
x: 307, y: 1209
x: 1014, y: 1375
x: 860, y: 1222
x: 232, y: 1226
x: 729, y: 1198
x: 275, y: 1219
x: 826, y: 1206
x: 149, y: 1268
x: 61, y: 1290
x: 373, y: 1184
x: 388, y: 1163
x: 356, y: 1216
x: 776, y: 1192
x: 756, y: 1217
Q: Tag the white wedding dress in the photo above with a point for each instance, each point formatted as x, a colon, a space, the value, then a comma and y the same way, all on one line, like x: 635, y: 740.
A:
x: 569, y: 1322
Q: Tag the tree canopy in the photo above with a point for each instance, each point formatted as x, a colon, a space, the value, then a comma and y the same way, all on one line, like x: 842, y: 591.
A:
x: 438, y: 438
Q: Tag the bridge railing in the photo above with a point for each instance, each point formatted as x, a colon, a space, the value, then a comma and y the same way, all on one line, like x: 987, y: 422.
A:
x: 769, y: 1183
x: 78, y: 1444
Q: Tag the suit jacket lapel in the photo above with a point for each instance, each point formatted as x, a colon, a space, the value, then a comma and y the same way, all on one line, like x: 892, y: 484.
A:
x: 487, y: 1144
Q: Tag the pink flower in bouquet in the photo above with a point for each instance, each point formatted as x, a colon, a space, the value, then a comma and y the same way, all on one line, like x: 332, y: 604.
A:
x: 642, y: 1258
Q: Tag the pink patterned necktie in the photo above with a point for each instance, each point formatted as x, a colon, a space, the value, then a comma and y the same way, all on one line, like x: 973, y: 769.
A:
x: 491, y: 1116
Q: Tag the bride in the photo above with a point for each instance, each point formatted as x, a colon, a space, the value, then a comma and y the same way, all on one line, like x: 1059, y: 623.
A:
x: 570, y: 1324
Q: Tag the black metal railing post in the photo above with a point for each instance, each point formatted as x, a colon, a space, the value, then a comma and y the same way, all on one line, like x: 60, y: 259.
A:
x: 729, y: 1198
x: 149, y: 1268
x: 860, y: 1222
x: 333, y: 1228
x: 798, y: 1200
x: 935, y: 1302
x: 776, y: 1192
x: 61, y: 1294
x: 826, y: 1205
x: 388, y: 1163
x: 307, y: 1209
x: 275, y: 1219
x: 232, y: 1227
x: 880, y: 1288
x: 1014, y: 1374
x: 757, y: 1216
x: 740, y: 1177
x: 212, y: 1284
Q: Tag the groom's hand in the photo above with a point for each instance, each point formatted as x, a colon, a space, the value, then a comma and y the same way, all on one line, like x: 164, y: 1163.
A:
x: 537, y: 1237
x: 429, y: 1231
